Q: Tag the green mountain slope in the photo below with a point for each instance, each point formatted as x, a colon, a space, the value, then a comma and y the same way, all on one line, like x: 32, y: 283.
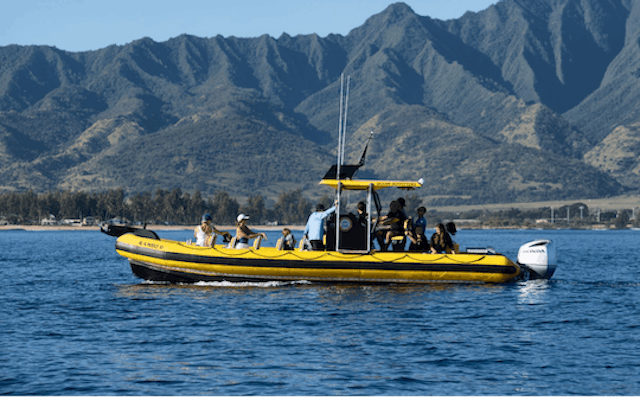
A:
x: 514, y: 103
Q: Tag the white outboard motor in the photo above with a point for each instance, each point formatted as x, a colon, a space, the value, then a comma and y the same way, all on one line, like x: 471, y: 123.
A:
x: 539, y: 257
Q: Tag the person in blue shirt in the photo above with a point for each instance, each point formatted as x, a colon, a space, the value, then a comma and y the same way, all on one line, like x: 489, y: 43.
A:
x: 314, y: 231
x: 421, y: 220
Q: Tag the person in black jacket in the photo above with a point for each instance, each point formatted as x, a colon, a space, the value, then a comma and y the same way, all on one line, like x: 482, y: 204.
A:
x: 441, y: 241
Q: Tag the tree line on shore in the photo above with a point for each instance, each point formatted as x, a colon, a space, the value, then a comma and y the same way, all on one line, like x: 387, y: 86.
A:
x: 291, y: 207
x: 160, y: 207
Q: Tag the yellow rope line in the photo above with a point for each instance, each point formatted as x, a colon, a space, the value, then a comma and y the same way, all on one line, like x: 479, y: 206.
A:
x: 422, y: 260
x: 299, y: 255
x: 468, y: 262
x: 219, y: 250
x: 388, y: 260
x: 335, y: 255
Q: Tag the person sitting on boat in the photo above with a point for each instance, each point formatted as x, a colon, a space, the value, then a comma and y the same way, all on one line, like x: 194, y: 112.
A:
x: 314, y: 230
x: 288, y: 240
x: 395, y: 219
x: 452, y: 230
x: 204, y: 232
x: 441, y: 241
x: 362, y: 213
x: 417, y: 240
x: 401, y: 204
x: 244, y: 233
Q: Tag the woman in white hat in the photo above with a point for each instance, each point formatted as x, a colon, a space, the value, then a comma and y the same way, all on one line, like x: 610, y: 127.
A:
x: 244, y: 233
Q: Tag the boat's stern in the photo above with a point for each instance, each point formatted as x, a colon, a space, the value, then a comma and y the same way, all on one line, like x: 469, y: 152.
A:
x: 539, y: 257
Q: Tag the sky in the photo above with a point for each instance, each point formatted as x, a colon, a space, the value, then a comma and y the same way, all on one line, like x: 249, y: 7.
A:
x: 81, y: 25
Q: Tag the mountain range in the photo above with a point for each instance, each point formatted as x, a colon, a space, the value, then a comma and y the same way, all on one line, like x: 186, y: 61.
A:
x: 527, y: 100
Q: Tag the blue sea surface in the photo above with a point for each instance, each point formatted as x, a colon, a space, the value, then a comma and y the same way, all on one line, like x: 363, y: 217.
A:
x: 75, y: 321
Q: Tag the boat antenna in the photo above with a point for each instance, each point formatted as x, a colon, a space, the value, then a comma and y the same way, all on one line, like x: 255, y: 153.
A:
x: 346, y: 109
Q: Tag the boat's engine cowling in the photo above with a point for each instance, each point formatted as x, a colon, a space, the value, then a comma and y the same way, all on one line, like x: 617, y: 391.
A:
x: 539, y: 257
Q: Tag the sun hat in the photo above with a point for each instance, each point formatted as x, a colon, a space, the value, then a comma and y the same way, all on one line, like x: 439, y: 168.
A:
x: 241, y: 217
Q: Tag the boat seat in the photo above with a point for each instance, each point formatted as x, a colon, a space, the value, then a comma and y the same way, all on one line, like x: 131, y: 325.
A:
x: 303, y: 242
x: 214, y: 238
x: 232, y: 243
x: 257, y: 242
x: 398, y: 241
x: 280, y: 244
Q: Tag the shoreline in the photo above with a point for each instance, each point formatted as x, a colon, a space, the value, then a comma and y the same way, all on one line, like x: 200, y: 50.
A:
x: 153, y: 227
x: 258, y: 228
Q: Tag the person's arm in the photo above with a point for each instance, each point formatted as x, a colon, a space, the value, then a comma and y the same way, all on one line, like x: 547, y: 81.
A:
x: 252, y: 235
x: 215, y: 230
x: 328, y: 212
x: 290, y: 240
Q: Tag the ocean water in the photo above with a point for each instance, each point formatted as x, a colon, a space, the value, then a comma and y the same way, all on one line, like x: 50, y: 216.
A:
x: 75, y: 321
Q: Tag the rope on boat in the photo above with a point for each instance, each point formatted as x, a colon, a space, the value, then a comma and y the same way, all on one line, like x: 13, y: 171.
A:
x: 388, y: 260
x: 296, y: 254
x: 246, y: 250
x: 422, y: 260
x: 340, y: 256
x: 468, y: 262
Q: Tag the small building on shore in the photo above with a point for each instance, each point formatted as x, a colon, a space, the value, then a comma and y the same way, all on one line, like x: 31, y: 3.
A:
x: 49, y: 221
x: 72, y: 222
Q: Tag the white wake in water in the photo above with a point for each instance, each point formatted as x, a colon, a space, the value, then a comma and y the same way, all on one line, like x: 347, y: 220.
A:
x: 265, y: 284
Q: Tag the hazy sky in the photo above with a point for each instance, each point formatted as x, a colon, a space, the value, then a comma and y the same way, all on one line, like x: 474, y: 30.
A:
x: 78, y: 25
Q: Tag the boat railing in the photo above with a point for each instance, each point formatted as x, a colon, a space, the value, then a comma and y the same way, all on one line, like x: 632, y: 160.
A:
x: 481, y: 251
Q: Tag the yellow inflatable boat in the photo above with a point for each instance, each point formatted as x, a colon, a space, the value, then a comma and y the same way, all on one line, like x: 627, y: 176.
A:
x: 172, y: 261
x: 350, y: 258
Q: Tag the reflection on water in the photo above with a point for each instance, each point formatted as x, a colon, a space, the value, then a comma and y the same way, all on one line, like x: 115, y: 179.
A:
x: 166, y: 289
x: 533, y: 292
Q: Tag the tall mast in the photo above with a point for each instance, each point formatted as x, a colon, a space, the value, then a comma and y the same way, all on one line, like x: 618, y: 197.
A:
x: 339, y: 161
x: 342, y: 125
x: 342, y: 128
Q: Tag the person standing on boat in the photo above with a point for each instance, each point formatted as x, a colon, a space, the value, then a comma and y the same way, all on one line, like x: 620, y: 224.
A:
x: 244, y: 233
x: 441, y: 241
x: 204, y: 232
x: 421, y: 220
x: 314, y: 230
